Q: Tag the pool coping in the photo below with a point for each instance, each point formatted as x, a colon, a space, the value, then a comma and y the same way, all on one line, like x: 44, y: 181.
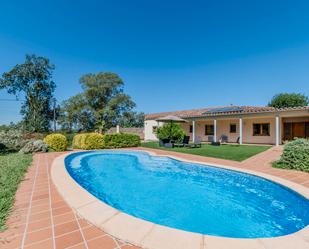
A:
x: 153, y: 236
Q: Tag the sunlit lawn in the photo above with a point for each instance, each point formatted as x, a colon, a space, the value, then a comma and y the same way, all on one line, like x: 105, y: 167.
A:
x: 12, y: 169
x: 226, y: 151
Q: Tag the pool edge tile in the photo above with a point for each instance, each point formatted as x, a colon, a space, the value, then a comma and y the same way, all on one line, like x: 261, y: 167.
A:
x: 96, y: 212
x: 127, y: 227
x: 165, y: 238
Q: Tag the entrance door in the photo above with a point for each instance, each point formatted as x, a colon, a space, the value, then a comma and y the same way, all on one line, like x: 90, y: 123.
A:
x: 299, y: 129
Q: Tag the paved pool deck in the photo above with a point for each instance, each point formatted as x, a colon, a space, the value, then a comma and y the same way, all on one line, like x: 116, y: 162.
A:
x: 42, y: 218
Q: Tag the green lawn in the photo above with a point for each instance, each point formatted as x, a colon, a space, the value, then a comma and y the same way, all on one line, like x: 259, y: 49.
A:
x: 12, y: 169
x: 225, y: 151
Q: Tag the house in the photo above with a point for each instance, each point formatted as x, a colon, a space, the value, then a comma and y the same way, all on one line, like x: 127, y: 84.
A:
x: 243, y: 124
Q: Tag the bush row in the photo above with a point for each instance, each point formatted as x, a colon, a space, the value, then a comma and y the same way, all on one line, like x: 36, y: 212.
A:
x: 90, y: 141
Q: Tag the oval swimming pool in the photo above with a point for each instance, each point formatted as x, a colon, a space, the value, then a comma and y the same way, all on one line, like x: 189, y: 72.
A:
x: 191, y: 197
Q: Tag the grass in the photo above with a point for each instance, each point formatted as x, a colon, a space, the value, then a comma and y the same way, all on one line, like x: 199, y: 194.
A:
x: 12, y: 169
x: 226, y: 151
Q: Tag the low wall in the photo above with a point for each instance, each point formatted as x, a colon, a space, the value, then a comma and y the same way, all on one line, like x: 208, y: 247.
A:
x: 132, y: 130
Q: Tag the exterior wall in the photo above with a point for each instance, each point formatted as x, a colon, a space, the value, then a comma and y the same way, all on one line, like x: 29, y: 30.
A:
x: 248, y: 131
x: 148, y: 130
x: 223, y: 128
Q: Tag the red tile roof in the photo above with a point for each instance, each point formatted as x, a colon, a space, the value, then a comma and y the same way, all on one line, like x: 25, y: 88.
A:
x: 223, y: 110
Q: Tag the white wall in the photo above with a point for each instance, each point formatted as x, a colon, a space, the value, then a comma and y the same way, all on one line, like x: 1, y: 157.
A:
x: 248, y: 131
x: 148, y: 127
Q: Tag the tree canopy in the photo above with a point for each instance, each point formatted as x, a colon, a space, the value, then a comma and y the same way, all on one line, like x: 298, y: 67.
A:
x: 102, y: 105
x: 284, y: 100
x: 33, y: 80
x: 75, y: 114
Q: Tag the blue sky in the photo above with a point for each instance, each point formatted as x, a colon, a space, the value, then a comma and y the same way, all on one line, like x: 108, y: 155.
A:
x: 171, y: 54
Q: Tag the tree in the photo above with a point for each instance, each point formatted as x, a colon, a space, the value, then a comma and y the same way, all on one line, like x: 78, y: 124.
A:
x: 75, y: 114
x: 132, y: 119
x: 284, y: 100
x: 104, y: 95
x: 170, y: 131
x: 102, y: 105
x: 33, y: 79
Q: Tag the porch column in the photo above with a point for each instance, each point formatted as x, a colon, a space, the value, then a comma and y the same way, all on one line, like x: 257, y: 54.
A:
x: 277, y: 131
x: 215, y: 130
x: 240, y: 131
x: 193, y: 131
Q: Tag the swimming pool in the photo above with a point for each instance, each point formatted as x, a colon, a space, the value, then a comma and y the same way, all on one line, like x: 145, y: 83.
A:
x: 191, y: 197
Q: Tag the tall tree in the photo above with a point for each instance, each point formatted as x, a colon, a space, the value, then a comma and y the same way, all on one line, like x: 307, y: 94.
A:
x: 33, y: 80
x: 132, y: 119
x: 75, y: 114
x: 284, y: 100
x: 105, y: 96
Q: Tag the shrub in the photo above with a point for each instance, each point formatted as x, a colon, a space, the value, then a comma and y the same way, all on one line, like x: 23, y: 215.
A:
x: 12, y: 139
x: 76, y: 144
x: 88, y: 141
x: 170, y: 131
x: 295, y: 155
x: 34, y: 146
x: 70, y: 137
x: 56, y: 142
x: 2, y: 147
x: 121, y: 140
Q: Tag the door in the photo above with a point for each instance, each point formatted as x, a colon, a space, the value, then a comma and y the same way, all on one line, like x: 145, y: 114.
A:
x: 299, y: 130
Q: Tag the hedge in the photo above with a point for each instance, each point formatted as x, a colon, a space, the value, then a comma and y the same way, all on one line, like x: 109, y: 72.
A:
x: 56, y: 142
x: 121, y: 140
x: 295, y: 155
x: 76, y: 144
x: 90, y: 141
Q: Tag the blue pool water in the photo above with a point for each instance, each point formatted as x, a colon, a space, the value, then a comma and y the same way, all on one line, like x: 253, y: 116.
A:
x: 190, y: 197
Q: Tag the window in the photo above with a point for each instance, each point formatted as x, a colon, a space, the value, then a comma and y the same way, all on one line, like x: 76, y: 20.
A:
x: 209, y: 130
x: 232, y: 128
x: 191, y: 128
x: 261, y: 129
x: 154, y: 129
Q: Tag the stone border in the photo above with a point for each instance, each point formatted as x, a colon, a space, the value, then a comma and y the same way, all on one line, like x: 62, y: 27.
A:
x: 153, y: 236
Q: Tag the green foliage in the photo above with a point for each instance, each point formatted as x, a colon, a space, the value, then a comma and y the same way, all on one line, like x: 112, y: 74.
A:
x: 75, y: 114
x: 12, y: 139
x: 56, y: 142
x: 102, y: 105
x: 121, y: 140
x: 12, y: 170
x: 226, y: 151
x: 33, y: 79
x: 76, y: 144
x: 2, y: 147
x: 132, y: 119
x: 171, y: 131
x: 94, y: 141
x: 34, y: 146
x: 295, y: 155
x: 88, y: 141
x: 283, y: 100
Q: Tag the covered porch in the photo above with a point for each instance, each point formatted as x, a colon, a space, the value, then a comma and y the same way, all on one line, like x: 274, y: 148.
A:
x: 249, y: 129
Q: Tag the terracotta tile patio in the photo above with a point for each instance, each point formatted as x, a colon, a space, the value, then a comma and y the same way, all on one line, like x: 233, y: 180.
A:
x: 41, y: 218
